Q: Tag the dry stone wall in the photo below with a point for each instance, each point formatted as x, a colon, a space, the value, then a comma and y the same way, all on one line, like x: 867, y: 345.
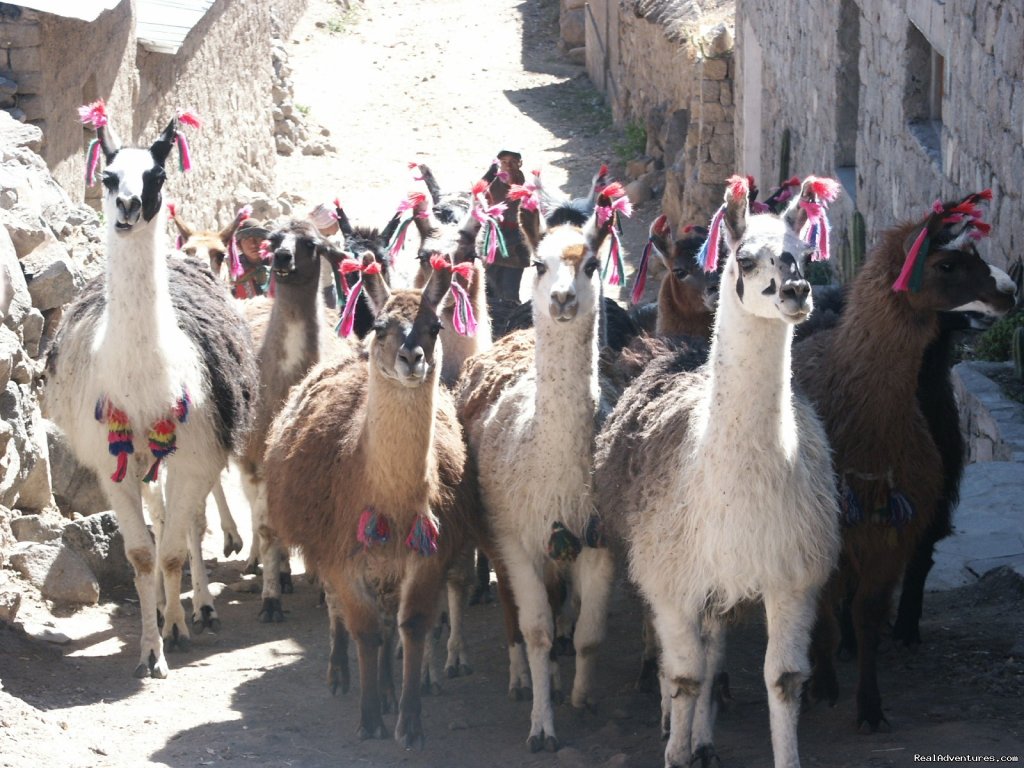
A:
x: 930, y: 96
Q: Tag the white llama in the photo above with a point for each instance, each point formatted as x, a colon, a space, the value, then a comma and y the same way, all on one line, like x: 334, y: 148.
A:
x: 152, y: 349
x: 750, y: 511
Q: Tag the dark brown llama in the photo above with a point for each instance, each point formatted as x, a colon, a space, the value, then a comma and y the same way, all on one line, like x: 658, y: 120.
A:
x: 863, y: 377
x: 366, y: 470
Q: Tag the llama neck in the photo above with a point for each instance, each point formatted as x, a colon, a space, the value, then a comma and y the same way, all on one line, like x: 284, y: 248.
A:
x: 399, y: 438
x: 139, y: 309
x: 295, y: 321
x: 566, y: 366
x: 750, y: 376
x: 681, y: 312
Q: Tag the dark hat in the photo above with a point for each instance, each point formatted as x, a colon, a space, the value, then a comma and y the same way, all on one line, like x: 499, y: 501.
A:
x: 505, y: 152
x: 252, y: 228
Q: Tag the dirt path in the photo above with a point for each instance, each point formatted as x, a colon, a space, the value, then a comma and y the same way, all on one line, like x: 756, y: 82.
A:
x: 445, y: 83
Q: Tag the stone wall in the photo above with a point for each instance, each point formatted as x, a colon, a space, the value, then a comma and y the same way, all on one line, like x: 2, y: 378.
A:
x: 910, y: 101
x: 669, y: 68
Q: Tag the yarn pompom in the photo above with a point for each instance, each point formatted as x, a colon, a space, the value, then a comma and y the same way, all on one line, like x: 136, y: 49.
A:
x: 189, y: 118
x: 94, y: 114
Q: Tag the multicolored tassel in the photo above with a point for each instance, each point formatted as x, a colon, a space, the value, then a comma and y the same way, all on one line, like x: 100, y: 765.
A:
x: 373, y: 528
x: 614, y: 261
x: 563, y: 546
x: 640, y: 280
x: 462, y: 318
x: 94, y: 114
x: 348, y: 314
x: 528, y: 195
x: 184, y: 154
x: 707, y: 256
x: 162, y: 443
x: 422, y: 538
x: 119, y: 435
x: 901, y: 511
x: 92, y: 162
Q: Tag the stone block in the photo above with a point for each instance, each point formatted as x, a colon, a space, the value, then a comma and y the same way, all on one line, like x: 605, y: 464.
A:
x: 26, y: 59
x: 33, y: 106
x: 51, y: 276
x: 98, y: 541
x: 26, y: 229
x: 37, y: 528
x: 20, y: 35
x: 713, y: 113
x: 28, y: 82
x: 58, y: 572
x: 10, y: 354
x: 10, y: 602
x: 577, y: 55
x: 715, y: 69
x: 638, y: 192
x: 572, y: 28
x: 32, y: 331
x: 8, y: 87
x: 571, y: 5
x: 710, y: 91
x: 75, y: 488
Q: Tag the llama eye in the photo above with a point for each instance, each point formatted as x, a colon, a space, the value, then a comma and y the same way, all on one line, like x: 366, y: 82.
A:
x: 590, y: 267
x: 746, y: 264
x: 679, y: 274
x: 946, y: 266
x: 110, y: 181
x: 541, y: 267
x: 435, y: 328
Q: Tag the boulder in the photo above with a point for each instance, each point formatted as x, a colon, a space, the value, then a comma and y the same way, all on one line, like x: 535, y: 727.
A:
x: 26, y: 228
x: 38, y: 528
x: 10, y: 602
x: 18, y: 300
x: 10, y: 354
x: 17, y: 133
x: 59, y: 573
x: 98, y: 541
x: 75, y: 487
x: 51, y: 276
x: 32, y: 331
x: 572, y: 28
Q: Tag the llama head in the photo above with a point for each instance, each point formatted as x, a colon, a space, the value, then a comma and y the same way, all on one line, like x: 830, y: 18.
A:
x: 295, y: 250
x: 403, y: 347
x: 942, y: 269
x: 205, y: 245
x: 566, y: 264
x: 680, y: 260
x: 764, y: 271
x: 134, y: 179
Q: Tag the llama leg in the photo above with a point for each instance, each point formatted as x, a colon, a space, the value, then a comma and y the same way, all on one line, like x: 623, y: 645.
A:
x: 824, y: 684
x: 907, y: 627
x: 337, y: 665
x: 592, y: 578
x: 140, y: 549
x: 482, y: 590
x: 204, y: 614
x: 870, y: 610
x: 518, y: 666
x: 682, y: 660
x: 459, y: 579
x: 702, y: 739
x: 271, y: 551
x: 361, y: 617
x: 232, y: 538
x: 416, y: 615
x: 648, y: 677
x: 430, y: 674
x: 790, y: 618
x: 537, y: 626
x: 389, y: 649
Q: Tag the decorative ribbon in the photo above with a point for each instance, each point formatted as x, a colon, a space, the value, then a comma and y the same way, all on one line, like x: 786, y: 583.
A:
x: 619, y: 203
x: 489, y: 217
x: 373, y: 528
x: 414, y: 204
x: 462, y: 317
x: 348, y: 314
x: 94, y: 114
x: 162, y: 440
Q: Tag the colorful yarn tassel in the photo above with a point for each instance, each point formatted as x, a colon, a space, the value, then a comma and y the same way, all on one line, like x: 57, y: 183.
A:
x: 162, y: 443
x: 373, y: 528
x: 94, y: 114
x: 398, y: 239
x: 119, y: 435
x: 901, y: 511
x: 640, y: 281
x: 614, y: 261
x: 912, y: 275
x: 707, y: 256
x: 348, y: 314
x: 184, y: 154
x: 92, y: 162
x: 462, y: 318
x: 422, y: 538
x: 563, y: 546
x: 816, y: 230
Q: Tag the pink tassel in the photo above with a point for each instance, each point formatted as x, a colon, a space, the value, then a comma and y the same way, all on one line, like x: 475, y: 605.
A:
x: 816, y: 230
x: 189, y: 118
x: 94, y: 114
x: 92, y: 162
x: 640, y: 281
x: 348, y: 315
x: 707, y: 256
x: 462, y: 318
x: 180, y: 241
x: 373, y: 528
x: 234, y: 259
x: 184, y: 155
x: 903, y: 281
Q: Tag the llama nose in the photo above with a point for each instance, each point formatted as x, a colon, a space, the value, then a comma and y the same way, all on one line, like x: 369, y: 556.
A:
x: 412, y: 357
x: 283, y: 260
x: 795, y: 290
x: 563, y: 297
x: 129, y: 207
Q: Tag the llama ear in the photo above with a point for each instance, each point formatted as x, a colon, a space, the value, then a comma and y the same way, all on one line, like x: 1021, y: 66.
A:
x: 343, y: 223
x: 161, y: 148
x: 533, y: 226
x: 374, y: 288
x: 109, y: 142
x: 327, y: 250
x: 389, y: 229
x: 469, y: 227
x: 736, y: 210
x: 228, y: 232
x: 660, y: 237
x: 436, y: 289
x: 597, y: 229
x: 185, y: 230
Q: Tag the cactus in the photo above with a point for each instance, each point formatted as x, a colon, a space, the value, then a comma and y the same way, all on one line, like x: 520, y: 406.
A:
x: 1017, y: 346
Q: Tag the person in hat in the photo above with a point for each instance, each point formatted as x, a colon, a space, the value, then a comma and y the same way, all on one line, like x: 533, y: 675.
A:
x: 505, y: 274
x: 254, y: 279
x: 326, y: 222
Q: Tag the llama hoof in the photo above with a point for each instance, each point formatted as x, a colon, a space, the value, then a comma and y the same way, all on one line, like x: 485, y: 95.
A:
x: 409, y: 731
x: 252, y: 568
x: 287, y: 588
x: 867, y: 726
x: 906, y: 632
x: 337, y: 677
x: 557, y: 697
x: 206, y: 619
x: 535, y: 743
x: 372, y: 731
x: 824, y: 687
x: 271, y: 611
x: 585, y: 707
x: 705, y: 757
x: 430, y: 688
x: 178, y: 640
x: 458, y: 670
x: 647, y: 681
x: 520, y: 693
x: 550, y: 744
x: 232, y: 544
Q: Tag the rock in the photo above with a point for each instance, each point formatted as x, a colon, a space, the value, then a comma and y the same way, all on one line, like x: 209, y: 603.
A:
x: 10, y: 354
x: 18, y: 300
x: 284, y: 146
x: 314, y: 148
x: 26, y: 229
x: 32, y: 331
x: 10, y: 602
x: 571, y: 756
x: 46, y: 634
x: 51, y: 276
x: 637, y: 167
x: 98, y: 541
x: 638, y: 192
x: 59, y: 573
x: 717, y: 41
x: 571, y: 28
x: 75, y: 488
x: 620, y: 760
x: 18, y: 408
x: 16, y: 114
x: 577, y: 55
x: 9, y: 87
x: 35, y: 528
x: 17, y: 133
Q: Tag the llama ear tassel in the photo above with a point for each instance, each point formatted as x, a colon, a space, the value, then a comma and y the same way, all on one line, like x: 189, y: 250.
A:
x: 816, y: 194
x: 191, y: 119
x: 612, y: 201
x: 463, y: 319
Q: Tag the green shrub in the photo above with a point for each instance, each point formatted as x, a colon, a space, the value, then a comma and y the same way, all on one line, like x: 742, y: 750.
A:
x: 994, y: 344
x: 633, y: 144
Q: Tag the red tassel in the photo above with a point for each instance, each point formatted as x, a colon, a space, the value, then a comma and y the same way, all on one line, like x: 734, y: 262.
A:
x: 640, y: 281
x: 122, y: 468
x: 94, y: 114
x: 189, y: 118
x: 707, y: 256
x: 903, y: 281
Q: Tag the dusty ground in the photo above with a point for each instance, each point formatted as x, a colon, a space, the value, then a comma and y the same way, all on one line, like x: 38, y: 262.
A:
x: 446, y: 83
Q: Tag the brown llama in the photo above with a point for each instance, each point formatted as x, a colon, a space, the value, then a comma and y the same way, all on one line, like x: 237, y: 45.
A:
x: 366, y: 470
x: 688, y: 294
x: 863, y: 378
x: 209, y: 246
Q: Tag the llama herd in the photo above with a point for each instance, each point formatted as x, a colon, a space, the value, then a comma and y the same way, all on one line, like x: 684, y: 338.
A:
x: 716, y: 460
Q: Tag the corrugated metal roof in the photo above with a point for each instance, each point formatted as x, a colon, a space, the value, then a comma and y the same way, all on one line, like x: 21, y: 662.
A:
x: 162, y: 25
x: 86, y: 10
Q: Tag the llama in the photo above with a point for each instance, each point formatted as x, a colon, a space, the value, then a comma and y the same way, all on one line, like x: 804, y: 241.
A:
x: 688, y: 295
x: 750, y: 510
x: 207, y: 245
x: 366, y: 470
x: 359, y: 239
x: 153, y: 346
x: 531, y: 425
x: 293, y: 336
x: 890, y: 470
